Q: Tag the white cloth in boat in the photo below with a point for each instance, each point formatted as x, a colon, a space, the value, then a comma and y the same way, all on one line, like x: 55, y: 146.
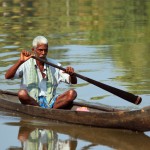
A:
x: 57, y: 75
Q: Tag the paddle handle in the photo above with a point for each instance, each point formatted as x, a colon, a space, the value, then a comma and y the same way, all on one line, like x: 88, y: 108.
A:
x: 120, y: 93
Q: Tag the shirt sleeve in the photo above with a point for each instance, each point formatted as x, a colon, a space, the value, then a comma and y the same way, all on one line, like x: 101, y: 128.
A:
x: 19, y: 72
x: 64, y: 77
x: 59, y: 74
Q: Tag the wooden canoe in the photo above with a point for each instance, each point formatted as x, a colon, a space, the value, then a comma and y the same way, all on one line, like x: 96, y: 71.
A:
x: 98, y: 115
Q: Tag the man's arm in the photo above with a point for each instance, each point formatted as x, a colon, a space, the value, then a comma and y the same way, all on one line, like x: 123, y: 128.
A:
x: 25, y: 55
x: 11, y: 71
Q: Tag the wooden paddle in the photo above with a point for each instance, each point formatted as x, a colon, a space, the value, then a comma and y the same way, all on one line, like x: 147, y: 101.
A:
x: 120, y: 93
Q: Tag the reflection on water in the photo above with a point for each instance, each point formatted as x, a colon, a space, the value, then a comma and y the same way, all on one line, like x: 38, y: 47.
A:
x: 52, y: 135
x: 105, y: 40
x: 43, y: 139
x: 109, y: 46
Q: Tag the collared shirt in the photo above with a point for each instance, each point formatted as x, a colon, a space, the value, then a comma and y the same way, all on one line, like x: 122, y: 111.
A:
x: 58, y: 76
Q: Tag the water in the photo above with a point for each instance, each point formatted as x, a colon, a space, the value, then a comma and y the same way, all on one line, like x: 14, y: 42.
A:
x: 107, y: 41
x: 17, y: 131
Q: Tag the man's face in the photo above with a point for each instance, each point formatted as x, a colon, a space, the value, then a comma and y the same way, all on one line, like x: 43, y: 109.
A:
x: 41, y: 50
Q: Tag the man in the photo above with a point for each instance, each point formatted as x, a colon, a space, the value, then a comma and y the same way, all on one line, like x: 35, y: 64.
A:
x: 39, y: 81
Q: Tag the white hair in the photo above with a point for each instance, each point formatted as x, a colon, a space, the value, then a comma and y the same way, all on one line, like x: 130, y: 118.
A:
x: 39, y: 40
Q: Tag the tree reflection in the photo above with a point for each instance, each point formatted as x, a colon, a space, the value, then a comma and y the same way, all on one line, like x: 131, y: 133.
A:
x: 122, y: 24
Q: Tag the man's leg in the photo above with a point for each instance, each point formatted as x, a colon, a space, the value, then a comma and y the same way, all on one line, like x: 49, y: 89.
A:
x: 26, y: 99
x: 65, y: 99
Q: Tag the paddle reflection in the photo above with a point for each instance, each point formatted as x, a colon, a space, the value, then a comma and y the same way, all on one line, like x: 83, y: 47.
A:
x: 43, y: 139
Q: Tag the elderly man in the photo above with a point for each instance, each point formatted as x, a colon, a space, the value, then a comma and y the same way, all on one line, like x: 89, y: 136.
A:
x: 39, y: 80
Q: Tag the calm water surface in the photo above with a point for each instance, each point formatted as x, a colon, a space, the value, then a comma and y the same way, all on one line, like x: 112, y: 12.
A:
x: 105, y: 40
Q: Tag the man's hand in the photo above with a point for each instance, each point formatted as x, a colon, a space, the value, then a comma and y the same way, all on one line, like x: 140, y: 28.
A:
x: 69, y: 70
x: 25, y: 55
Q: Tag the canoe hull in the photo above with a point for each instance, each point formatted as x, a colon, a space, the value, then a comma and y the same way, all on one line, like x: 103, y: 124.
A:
x: 137, y: 120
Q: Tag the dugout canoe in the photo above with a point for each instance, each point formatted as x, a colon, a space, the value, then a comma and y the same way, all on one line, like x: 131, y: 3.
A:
x: 98, y: 115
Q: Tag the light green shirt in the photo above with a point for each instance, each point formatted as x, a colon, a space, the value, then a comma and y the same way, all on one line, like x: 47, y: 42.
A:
x: 25, y: 71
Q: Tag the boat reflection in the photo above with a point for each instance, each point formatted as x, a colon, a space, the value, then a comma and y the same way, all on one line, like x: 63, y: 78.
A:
x: 43, y: 139
x: 47, y: 136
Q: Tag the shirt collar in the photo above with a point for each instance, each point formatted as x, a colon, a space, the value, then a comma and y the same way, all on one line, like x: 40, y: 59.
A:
x: 45, y: 66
